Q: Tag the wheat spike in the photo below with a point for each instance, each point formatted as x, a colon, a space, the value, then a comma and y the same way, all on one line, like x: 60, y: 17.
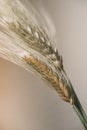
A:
x: 48, y: 74
x: 22, y: 34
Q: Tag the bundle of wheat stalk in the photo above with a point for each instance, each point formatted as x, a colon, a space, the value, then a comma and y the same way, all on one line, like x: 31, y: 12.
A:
x: 25, y: 40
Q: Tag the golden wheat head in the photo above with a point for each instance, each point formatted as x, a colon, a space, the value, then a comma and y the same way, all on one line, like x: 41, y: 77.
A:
x: 25, y: 41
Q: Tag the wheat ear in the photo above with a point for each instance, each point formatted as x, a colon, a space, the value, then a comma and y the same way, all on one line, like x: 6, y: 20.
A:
x: 48, y: 74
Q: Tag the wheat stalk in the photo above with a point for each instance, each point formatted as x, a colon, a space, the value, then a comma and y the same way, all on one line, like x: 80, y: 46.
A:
x: 25, y: 41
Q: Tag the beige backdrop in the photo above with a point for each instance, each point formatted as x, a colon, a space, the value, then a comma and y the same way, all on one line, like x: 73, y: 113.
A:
x: 26, y: 103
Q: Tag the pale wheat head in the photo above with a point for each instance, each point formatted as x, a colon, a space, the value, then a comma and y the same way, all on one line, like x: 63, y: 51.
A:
x: 24, y: 41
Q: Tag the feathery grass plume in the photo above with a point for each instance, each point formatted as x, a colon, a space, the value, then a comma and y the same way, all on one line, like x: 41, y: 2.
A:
x: 26, y: 40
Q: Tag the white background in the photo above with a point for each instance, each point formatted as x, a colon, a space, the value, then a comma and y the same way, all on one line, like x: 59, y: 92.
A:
x: 26, y: 103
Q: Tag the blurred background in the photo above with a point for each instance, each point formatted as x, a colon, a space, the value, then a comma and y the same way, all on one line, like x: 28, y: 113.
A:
x: 26, y: 103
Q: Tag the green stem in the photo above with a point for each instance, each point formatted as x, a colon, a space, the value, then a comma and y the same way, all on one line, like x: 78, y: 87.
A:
x: 78, y: 108
x: 77, y: 105
x: 80, y: 111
